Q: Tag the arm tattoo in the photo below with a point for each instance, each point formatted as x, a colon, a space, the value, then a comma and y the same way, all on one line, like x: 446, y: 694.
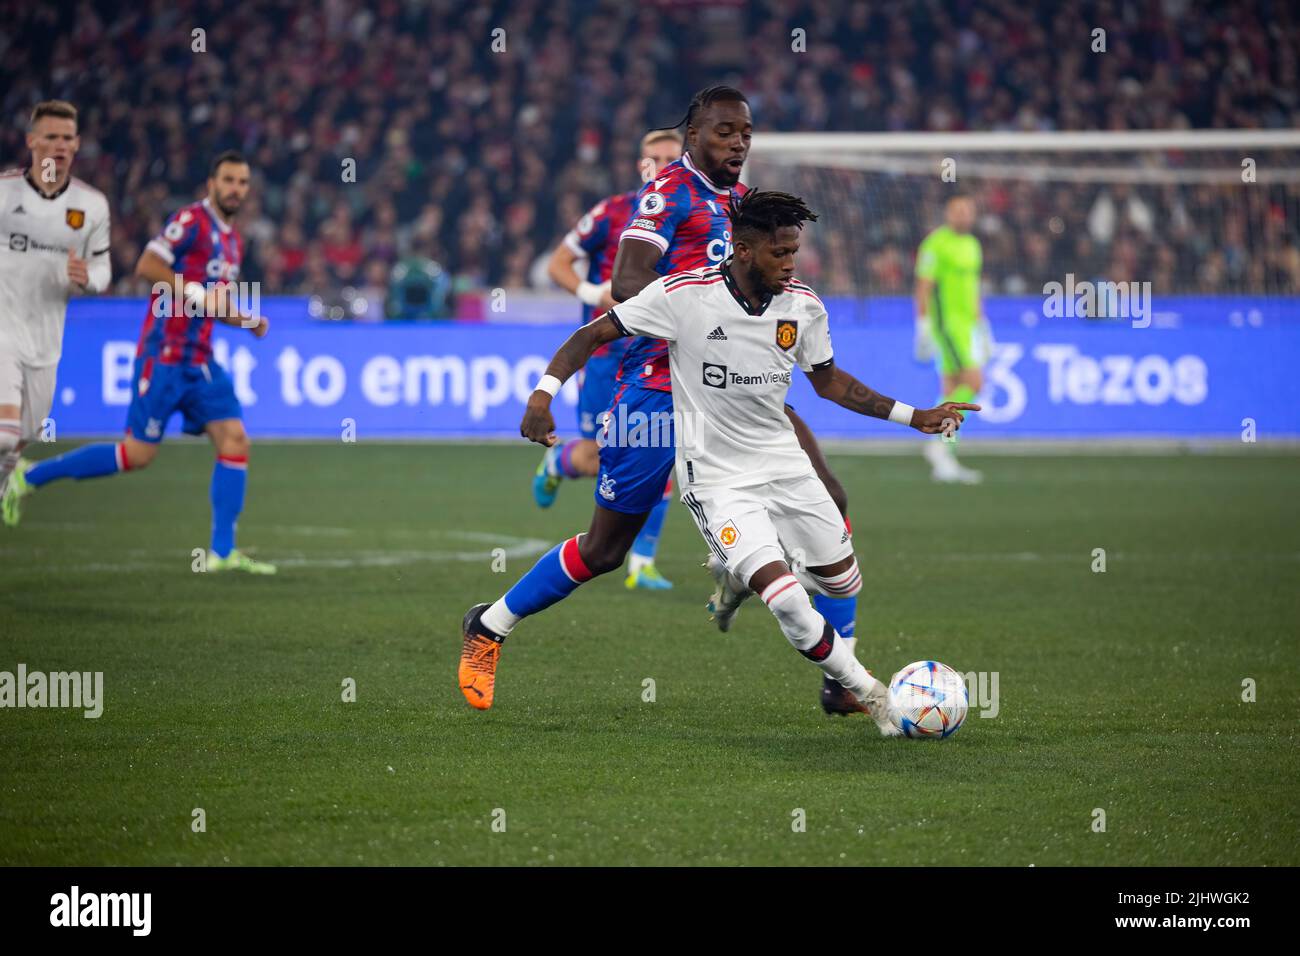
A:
x: 857, y: 397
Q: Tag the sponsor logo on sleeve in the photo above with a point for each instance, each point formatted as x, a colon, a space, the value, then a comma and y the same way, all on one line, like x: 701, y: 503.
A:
x: 652, y: 204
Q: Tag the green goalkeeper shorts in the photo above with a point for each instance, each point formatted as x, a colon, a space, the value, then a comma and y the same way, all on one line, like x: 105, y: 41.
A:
x: 959, y: 344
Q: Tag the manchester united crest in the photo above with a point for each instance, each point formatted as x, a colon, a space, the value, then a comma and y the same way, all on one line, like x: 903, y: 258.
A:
x: 787, y: 333
x: 76, y: 218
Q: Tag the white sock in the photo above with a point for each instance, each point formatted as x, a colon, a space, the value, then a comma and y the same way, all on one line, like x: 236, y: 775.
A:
x: 799, y: 620
x: 635, y: 562
x: 804, y: 627
x: 841, y: 665
x: 7, y: 463
x: 11, y: 431
x: 499, y: 619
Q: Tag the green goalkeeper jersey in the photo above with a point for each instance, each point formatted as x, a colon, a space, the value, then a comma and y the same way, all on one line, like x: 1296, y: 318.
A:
x: 953, y: 261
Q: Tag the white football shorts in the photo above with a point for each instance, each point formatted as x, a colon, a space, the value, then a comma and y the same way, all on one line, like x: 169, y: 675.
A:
x: 29, y: 387
x: 790, y: 519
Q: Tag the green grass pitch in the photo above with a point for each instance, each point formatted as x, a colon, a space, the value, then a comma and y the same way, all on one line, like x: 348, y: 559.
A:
x: 1119, y: 691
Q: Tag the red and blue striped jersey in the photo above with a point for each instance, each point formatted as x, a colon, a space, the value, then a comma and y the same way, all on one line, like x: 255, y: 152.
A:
x: 201, y: 248
x: 686, y: 216
x: 596, y: 237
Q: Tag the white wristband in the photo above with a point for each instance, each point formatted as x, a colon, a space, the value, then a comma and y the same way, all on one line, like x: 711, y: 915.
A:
x: 590, y: 293
x: 901, y: 413
x: 550, y: 385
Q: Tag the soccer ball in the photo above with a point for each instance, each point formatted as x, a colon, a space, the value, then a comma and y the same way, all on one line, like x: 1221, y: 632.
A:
x: 927, y: 699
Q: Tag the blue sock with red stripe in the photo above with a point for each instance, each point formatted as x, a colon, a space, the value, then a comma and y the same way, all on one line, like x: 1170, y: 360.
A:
x: 554, y: 577
x: 564, y: 460
x: 89, y: 461
x: 229, y: 478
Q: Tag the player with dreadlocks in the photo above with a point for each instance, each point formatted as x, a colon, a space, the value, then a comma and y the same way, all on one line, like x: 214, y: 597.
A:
x: 747, y: 482
x: 682, y: 221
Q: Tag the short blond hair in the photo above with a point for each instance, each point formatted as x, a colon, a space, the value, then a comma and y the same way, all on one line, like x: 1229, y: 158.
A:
x: 60, y: 109
x: 658, y: 136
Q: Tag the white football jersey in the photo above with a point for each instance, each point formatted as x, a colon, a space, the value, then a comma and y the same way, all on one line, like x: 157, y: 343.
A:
x: 36, y: 233
x: 731, y: 365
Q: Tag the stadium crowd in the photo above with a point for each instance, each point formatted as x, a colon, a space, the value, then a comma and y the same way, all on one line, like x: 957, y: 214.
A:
x: 481, y: 132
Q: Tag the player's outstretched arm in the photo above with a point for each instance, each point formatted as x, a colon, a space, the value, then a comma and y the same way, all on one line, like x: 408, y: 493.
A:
x: 538, y: 424
x: 836, y: 385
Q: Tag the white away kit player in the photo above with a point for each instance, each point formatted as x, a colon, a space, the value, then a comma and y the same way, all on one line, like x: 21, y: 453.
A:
x: 735, y: 334
x: 54, y: 240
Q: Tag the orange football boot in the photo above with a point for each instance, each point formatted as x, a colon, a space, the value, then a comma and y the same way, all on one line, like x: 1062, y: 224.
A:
x: 479, y: 654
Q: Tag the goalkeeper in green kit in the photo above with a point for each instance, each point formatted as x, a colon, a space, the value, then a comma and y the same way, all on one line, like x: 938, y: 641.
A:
x: 950, y: 324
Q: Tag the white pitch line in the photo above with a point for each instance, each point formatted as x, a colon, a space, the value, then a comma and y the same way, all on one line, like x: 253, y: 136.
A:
x: 523, y: 548
x: 512, y: 547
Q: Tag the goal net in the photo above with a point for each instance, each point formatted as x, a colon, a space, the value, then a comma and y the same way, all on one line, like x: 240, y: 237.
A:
x: 1210, y: 212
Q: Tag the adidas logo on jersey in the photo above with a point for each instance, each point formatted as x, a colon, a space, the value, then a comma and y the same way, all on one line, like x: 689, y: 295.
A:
x: 20, y: 211
x: 717, y: 335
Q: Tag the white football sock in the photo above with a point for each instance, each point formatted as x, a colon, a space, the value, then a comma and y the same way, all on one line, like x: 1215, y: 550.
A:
x: 8, y: 462
x: 841, y: 665
x: 807, y: 580
x: 799, y: 620
x: 11, y: 430
x: 499, y: 619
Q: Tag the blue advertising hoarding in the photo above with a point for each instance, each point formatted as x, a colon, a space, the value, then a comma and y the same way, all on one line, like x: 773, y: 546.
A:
x: 1201, y: 368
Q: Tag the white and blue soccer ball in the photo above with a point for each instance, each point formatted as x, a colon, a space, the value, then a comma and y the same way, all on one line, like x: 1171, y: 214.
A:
x: 928, y: 700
